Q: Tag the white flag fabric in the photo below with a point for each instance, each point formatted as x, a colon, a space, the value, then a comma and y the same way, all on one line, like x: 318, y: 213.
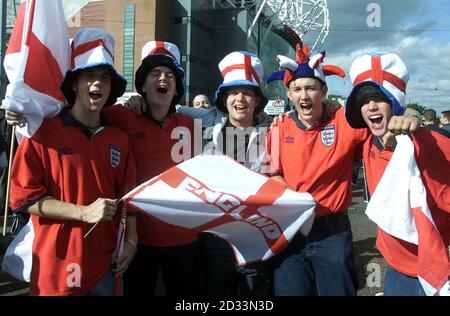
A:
x: 36, y: 61
x: 399, y: 207
x: 256, y: 215
x: 18, y: 257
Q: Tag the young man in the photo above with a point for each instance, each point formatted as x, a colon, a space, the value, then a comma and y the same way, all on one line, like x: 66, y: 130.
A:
x: 237, y: 131
x: 371, y: 104
x: 159, y: 80
x: 201, y: 101
x: 445, y: 120
x: 430, y: 121
x: 69, y: 175
x: 235, y: 128
x: 315, y: 155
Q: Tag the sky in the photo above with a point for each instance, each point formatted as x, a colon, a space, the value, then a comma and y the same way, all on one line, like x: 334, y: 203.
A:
x: 416, y: 30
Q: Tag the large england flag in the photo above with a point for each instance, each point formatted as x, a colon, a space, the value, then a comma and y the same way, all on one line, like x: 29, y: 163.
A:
x: 256, y: 215
x: 36, y: 61
x: 399, y: 207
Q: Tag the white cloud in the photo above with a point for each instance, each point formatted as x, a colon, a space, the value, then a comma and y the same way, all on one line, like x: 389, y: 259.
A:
x: 406, y: 32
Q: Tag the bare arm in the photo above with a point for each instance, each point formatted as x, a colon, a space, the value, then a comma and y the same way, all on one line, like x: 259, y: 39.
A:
x: 100, y: 210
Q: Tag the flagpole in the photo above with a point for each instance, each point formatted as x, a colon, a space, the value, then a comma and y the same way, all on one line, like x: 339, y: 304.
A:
x: 366, y: 189
x: 8, y: 187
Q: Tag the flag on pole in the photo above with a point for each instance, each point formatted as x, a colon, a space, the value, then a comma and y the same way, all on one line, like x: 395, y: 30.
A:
x: 256, y: 215
x: 119, y: 249
x: 399, y: 207
x: 36, y: 61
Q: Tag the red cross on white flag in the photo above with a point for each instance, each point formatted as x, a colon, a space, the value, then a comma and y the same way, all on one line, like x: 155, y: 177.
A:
x: 36, y: 61
x: 399, y: 207
x: 256, y: 215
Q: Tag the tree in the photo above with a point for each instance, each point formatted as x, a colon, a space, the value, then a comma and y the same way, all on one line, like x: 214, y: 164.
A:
x: 417, y: 107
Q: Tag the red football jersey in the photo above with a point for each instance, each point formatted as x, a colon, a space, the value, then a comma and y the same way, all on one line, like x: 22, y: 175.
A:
x: 152, y: 146
x: 62, y: 162
x: 318, y: 160
x: 432, y: 153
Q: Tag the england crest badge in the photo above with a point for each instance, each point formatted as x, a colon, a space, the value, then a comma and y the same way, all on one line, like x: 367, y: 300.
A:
x: 328, y: 135
x: 114, y: 156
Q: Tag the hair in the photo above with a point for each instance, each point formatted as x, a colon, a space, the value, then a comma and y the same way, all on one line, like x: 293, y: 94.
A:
x: 446, y: 114
x: 322, y: 83
x: 429, y: 115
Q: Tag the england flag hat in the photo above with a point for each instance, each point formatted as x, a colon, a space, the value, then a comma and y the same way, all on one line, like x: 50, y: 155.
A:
x: 385, y: 71
x: 241, y: 69
x: 92, y: 48
x: 159, y: 53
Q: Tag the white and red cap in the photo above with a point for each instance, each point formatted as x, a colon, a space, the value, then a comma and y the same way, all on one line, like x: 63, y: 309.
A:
x: 159, y: 53
x: 304, y: 67
x: 385, y: 71
x: 161, y: 48
x: 92, y: 48
x: 241, y: 69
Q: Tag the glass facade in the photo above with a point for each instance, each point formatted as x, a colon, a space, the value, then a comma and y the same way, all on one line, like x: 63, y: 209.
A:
x: 128, y: 45
x: 213, y: 34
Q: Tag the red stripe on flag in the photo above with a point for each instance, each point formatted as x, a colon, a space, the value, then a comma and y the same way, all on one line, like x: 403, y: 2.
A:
x: 174, y: 180
x: 433, y: 262
x: 15, y: 42
x: 267, y: 194
x: 174, y: 176
x: 42, y: 72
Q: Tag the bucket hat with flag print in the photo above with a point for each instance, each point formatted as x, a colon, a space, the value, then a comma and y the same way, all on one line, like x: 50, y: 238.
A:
x: 305, y: 66
x: 385, y: 72
x: 158, y: 53
x: 241, y: 69
x: 92, y: 48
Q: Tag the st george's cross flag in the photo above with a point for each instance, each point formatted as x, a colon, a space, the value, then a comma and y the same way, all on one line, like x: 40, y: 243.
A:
x: 258, y: 216
x: 36, y: 61
x: 399, y: 207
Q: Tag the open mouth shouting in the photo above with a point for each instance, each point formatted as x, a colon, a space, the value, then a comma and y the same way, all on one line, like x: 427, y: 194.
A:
x: 95, y: 96
x: 306, y: 107
x: 163, y: 89
x: 240, y: 108
x: 376, y: 123
x: 376, y: 119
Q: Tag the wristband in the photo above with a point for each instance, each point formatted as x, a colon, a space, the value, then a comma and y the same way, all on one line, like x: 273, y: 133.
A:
x: 132, y: 243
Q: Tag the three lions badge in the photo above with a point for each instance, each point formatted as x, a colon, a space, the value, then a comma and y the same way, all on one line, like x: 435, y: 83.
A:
x: 114, y: 156
x: 328, y: 135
